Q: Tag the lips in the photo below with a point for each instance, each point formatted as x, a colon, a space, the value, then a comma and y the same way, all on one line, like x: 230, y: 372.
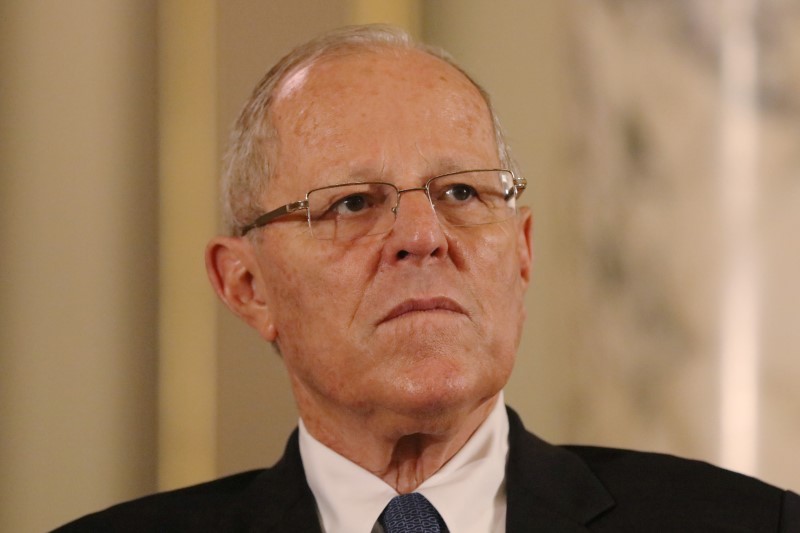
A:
x: 422, y: 305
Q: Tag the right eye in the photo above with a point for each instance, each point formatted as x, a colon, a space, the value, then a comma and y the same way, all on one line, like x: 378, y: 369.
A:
x: 350, y: 204
x: 354, y: 201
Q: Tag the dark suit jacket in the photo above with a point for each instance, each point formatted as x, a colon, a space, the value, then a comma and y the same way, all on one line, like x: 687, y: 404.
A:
x: 550, y: 489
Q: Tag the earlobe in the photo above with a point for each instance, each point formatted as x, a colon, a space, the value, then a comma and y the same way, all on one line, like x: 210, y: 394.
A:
x: 232, y: 270
x: 525, y: 244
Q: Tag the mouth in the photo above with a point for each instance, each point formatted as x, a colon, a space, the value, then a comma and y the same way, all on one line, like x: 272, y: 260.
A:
x: 423, y: 305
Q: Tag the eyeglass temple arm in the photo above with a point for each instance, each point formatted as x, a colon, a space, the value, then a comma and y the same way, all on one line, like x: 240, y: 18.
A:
x: 266, y: 218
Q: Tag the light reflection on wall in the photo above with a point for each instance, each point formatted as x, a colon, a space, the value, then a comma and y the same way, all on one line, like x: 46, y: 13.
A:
x: 740, y: 273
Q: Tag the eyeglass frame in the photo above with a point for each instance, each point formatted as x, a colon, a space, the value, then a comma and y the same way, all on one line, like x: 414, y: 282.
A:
x: 519, y: 185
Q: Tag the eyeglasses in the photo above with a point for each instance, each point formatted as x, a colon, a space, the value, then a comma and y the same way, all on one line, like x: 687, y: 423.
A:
x: 348, y: 211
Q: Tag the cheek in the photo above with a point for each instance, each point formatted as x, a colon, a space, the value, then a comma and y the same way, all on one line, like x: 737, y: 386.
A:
x: 314, y: 290
x: 490, y: 258
x: 492, y: 272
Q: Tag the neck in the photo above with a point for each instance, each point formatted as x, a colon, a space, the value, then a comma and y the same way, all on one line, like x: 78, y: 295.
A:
x: 403, y: 450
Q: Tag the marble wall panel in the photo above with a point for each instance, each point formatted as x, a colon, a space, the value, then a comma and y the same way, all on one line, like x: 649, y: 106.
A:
x: 649, y: 117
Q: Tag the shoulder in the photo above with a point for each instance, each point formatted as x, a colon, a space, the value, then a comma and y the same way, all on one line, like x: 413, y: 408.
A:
x: 186, y: 509
x: 637, y: 491
x: 667, y: 489
x: 642, y: 469
x: 258, y: 500
x: 645, y: 472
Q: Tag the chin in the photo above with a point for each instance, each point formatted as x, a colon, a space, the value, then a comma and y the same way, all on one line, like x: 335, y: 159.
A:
x: 437, y: 398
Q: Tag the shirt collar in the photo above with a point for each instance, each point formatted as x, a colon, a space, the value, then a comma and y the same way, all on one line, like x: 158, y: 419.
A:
x: 468, y: 491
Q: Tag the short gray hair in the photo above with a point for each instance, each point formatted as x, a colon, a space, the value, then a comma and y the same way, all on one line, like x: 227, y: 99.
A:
x: 249, y: 160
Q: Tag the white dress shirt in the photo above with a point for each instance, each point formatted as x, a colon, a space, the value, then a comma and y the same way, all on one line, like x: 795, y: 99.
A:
x: 468, y: 491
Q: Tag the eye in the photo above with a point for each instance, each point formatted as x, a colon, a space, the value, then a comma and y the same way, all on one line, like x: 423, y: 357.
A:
x: 460, y: 192
x: 350, y: 204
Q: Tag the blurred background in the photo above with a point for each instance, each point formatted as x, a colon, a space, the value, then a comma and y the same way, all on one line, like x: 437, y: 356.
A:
x: 661, y: 141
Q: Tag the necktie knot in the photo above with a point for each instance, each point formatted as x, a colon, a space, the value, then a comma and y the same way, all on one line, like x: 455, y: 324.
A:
x: 411, y: 513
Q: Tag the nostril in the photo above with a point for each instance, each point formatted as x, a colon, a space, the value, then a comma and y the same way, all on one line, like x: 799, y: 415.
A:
x: 402, y: 254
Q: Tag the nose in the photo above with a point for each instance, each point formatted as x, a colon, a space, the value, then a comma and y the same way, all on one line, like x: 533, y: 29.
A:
x: 416, y: 233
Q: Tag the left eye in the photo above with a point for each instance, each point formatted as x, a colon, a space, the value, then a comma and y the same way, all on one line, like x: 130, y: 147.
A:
x: 460, y: 192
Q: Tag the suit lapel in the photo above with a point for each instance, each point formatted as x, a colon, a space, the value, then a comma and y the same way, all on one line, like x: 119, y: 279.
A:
x: 549, y: 489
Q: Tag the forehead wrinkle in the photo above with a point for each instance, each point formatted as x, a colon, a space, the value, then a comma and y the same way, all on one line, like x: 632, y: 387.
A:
x: 422, y: 155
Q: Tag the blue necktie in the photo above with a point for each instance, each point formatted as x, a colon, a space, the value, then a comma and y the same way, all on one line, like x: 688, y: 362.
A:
x: 411, y: 513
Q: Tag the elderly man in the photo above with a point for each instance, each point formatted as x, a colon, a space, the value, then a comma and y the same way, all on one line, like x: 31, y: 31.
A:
x: 376, y: 241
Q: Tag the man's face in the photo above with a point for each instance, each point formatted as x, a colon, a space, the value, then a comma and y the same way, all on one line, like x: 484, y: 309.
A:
x: 418, y: 320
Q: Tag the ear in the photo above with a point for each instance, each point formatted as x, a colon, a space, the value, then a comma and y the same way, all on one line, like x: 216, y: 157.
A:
x: 232, y: 269
x: 525, y: 244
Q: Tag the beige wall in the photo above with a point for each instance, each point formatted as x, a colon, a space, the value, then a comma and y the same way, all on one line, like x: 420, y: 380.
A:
x: 109, y: 154
x: 78, y: 196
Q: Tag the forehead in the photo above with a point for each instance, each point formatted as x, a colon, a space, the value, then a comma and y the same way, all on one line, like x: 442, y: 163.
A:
x: 378, y: 108
x: 375, y: 74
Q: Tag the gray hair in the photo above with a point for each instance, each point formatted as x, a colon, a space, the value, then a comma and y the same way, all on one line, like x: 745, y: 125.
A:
x: 248, y: 161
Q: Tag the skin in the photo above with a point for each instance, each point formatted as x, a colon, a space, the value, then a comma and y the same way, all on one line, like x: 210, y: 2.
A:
x: 397, y: 345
